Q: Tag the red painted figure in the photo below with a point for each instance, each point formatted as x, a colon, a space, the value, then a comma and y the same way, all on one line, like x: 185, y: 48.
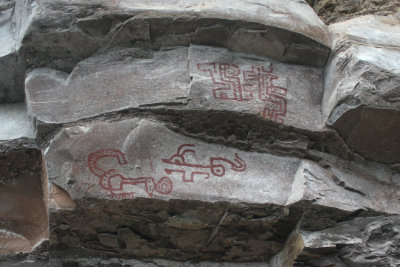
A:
x: 112, y: 181
x: 229, y: 86
x: 216, y: 165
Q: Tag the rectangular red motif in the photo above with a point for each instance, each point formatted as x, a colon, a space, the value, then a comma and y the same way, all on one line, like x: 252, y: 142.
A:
x: 230, y: 83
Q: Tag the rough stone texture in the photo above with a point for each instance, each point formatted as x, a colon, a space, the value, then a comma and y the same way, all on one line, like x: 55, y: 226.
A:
x: 331, y: 11
x: 376, y: 31
x: 143, y: 148
x: 118, y: 80
x: 362, y: 93
x: 59, y: 34
x: 101, y: 166
x: 199, y: 78
x: 23, y: 214
x: 371, y: 241
x: 11, y: 65
x: 14, y: 122
x: 287, y: 30
x: 89, y: 262
x: 336, y: 186
x: 187, y: 133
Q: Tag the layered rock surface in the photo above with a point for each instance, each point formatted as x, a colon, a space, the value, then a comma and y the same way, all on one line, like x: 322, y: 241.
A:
x: 197, y: 134
x: 362, y: 93
x: 196, y: 78
x: 11, y: 71
x: 193, y: 194
x: 23, y: 211
x: 287, y: 31
x: 331, y: 11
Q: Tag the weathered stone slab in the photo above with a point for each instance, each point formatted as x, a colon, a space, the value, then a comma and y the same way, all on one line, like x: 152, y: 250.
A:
x: 214, y: 80
x: 335, y: 186
x: 283, y: 93
x: 11, y: 67
x: 14, y: 122
x: 362, y: 93
x: 135, y: 158
x: 134, y: 188
x: 142, y: 158
x: 87, y: 262
x: 175, y: 229
x: 13, y: 243
x: 371, y: 30
x: 23, y: 212
x: 64, y: 32
x: 118, y: 80
x: 207, y: 187
x: 359, y: 242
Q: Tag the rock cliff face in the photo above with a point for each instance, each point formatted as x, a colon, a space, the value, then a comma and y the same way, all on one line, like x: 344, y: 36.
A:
x: 331, y: 11
x: 187, y: 133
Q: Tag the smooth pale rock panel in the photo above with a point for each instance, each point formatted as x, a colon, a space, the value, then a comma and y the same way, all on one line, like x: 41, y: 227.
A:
x: 362, y: 93
x: 114, y: 81
x: 142, y: 158
x: 371, y: 241
x: 23, y: 211
x: 14, y: 122
x: 199, y: 78
x: 283, y: 93
x: 64, y: 32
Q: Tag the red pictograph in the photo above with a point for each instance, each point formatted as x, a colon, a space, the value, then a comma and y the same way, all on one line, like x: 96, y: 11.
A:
x: 114, y: 182
x: 226, y: 80
x: 216, y: 166
x: 257, y: 83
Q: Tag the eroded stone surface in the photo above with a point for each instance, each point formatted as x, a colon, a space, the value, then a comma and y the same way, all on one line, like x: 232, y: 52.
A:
x: 204, y: 184
x: 88, y: 262
x: 14, y: 122
x: 119, y: 80
x: 151, y: 161
x: 23, y: 214
x: 368, y: 30
x: 140, y: 189
x: 198, y: 78
x: 142, y: 158
x: 13, y: 243
x: 176, y: 229
x: 11, y: 67
x: 362, y: 93
x: 286, y: 30
x: 359, y: 242
x: 140, y: 171
x: 282, y: 93
x: 335, y: 186
x: 331, y: 11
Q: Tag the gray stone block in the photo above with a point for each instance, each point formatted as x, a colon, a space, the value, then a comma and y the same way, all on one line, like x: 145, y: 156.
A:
x: 14, y: 122
x: 362, y: 93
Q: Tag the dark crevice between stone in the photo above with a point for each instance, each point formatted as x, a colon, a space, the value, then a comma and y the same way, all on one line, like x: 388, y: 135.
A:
x: 243, y: 131
x: 130, y: 228
x: 22, y: 196
x: 88, y: 35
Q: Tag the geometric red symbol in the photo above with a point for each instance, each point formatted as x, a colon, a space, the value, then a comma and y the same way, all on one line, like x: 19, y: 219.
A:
x: 230, y: 83
x: 216, y: 166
